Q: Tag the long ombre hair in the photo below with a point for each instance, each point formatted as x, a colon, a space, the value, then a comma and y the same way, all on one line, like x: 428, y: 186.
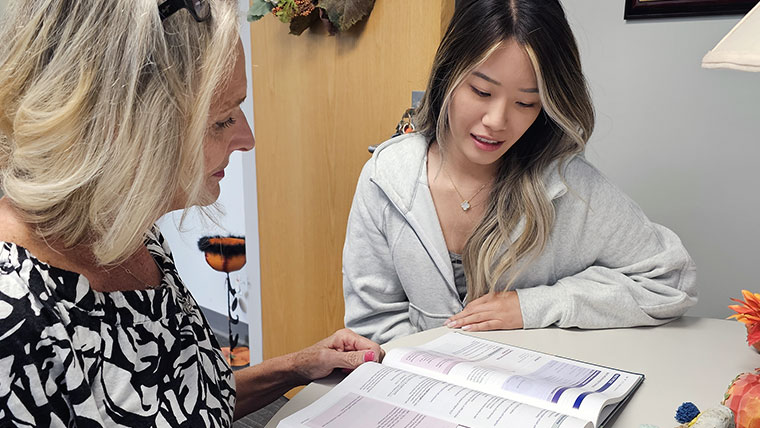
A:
x: 103, y: 114
x: 518, y: 199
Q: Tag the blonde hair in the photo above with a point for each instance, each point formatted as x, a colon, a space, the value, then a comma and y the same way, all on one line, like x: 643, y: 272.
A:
x: 103, y: 113
x: 518, y: 199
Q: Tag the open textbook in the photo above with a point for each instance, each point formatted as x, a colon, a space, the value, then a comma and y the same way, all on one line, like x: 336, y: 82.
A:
x: 461, y: 381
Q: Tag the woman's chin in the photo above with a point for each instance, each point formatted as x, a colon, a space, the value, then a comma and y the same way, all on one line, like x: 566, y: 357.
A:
x: 212, y: 195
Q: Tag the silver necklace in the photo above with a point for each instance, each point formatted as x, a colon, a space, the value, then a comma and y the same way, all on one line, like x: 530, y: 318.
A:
x: 465, y: 204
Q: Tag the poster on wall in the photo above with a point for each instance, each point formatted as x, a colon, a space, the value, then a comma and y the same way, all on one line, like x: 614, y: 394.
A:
x: 645, y: 9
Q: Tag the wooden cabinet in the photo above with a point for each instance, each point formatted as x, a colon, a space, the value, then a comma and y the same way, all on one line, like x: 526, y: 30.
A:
x: 319, y: 101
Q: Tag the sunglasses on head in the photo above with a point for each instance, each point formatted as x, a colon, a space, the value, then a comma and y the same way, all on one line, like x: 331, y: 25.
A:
x: 199, y: 9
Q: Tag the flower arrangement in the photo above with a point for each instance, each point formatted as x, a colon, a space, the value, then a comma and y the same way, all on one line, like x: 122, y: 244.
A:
x: 748, y: 312
x: 338, y: 15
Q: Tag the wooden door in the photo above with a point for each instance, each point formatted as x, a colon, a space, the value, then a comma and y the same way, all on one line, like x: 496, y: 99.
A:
x: 319, y: 101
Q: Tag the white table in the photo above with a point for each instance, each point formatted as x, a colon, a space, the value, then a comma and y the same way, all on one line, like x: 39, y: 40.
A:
x: 690, y: 359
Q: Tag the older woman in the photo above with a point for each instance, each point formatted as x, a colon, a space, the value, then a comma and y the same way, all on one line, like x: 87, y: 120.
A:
x: 113, y: 113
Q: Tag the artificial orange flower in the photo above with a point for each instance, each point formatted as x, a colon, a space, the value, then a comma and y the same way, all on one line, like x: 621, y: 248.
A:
x: 748, y: 312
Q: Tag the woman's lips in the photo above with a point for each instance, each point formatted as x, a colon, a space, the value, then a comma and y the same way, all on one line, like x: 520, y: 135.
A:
x: 219, y: 174
x: 487, y: 147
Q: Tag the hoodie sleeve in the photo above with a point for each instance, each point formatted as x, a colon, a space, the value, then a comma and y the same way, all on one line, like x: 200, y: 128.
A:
x: 629, y: 271
x: 376, y: 304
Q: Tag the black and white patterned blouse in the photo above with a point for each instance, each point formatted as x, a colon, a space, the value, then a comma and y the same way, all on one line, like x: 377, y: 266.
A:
x: 74, y: 357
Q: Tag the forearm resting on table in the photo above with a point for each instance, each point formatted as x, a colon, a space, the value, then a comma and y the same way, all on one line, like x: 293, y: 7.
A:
x: 263, y: 383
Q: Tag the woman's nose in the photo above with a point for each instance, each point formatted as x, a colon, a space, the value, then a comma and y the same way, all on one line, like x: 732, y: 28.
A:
x: 495, y: 117
x: 244, y: 140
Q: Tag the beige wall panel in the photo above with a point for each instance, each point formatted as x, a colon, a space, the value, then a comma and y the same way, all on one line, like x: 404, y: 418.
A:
x: 319, y: 101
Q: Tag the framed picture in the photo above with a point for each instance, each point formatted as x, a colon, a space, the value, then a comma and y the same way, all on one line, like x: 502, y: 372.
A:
x: 644, y: 9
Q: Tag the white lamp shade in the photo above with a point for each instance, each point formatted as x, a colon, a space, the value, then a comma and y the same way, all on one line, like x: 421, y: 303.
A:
x: 740, y: 49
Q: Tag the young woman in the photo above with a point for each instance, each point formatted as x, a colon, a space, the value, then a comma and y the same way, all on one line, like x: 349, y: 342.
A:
x: 113, y: 113
x: 489, y: 217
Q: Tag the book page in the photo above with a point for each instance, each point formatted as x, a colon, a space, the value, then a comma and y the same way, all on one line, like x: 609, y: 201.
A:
x: 571, y: 387
x: 378, y: 396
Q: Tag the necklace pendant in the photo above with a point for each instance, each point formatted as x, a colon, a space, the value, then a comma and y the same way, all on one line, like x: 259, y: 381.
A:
x: 465, y: 205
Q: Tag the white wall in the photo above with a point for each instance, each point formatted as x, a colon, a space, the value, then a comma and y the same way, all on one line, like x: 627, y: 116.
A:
x: 250, y: 208
x: 680, y: 140
x: 238, y: 199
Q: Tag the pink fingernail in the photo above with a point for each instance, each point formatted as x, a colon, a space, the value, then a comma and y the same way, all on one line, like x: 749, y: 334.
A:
x: 369, y: 356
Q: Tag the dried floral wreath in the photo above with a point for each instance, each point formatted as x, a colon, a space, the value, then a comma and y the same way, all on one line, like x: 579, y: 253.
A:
x: 338, y: 15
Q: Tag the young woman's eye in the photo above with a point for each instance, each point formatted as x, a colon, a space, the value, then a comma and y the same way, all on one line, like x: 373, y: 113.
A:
x: 526, y: 105
x: 479, y: 93
x: 226, y: 124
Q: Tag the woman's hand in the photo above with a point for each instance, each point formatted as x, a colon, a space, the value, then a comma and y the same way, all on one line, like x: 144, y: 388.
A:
x: 494, y: 311
x: 261, y: 384
x: 343, y: 350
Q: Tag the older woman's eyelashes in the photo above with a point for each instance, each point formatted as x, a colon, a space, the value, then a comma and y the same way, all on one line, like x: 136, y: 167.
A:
x: 225, y: 124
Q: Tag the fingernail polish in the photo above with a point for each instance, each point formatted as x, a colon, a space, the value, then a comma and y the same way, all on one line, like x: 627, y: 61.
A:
x: 369, y: 356
x: 467, y: 327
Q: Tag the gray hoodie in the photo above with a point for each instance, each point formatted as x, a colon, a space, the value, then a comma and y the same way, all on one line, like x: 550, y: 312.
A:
x: 605, y: 264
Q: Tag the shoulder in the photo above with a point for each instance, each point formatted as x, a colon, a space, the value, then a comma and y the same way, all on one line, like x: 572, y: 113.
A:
x: 581, y: 179
x: 399, y: 155
x: 401, y: 146
x: 394, y: 170
x: 27, y: 305
x: 17, y: 272
x: 592, y: 199
x: 14, y: 281
x: 577, y: 171
x: 36, y: 348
